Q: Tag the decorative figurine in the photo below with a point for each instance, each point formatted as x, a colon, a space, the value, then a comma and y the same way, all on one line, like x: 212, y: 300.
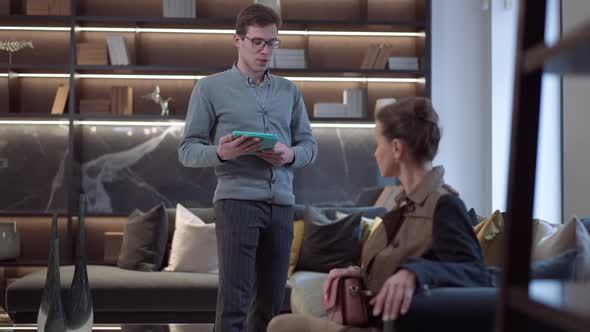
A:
x: 157, y: 98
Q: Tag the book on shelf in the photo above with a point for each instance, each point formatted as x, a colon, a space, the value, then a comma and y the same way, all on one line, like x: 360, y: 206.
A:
x: 91, y: 54
x: 274, y: 4
x: 94, y: 106
x: 330, y: 110
x: 122, y: 100
x: 403, y: 63
x: 288, y: 58
x: 4, y: 7
x: 37, y: 7
x: 118, y: 53
x: 179, y: 8
x: 61, y: 99
x: 59, y: 7
x: 355, y: 100
x: 370, y: 56
x: 382, y: 56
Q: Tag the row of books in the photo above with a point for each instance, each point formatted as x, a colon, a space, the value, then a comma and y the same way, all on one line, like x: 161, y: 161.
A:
x: 179, y: 8
x: 95, y: 53
x: 274, y: 4
x: 288, y: 58
x: 378, y: 56
x: 47, y: 7
x: 120, y: 102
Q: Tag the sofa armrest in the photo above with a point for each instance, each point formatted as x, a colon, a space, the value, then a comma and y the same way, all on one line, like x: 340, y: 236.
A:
x: 451, y: 309
x: 112, y: 247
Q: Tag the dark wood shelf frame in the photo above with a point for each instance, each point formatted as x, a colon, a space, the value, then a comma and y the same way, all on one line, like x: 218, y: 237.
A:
x: 518, y: 304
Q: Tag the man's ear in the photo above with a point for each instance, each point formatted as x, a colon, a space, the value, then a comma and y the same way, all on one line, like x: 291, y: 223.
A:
x: 237, y: 40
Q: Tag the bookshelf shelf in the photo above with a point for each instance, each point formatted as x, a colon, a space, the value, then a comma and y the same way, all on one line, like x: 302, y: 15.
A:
x: 108, y: 69
x: 230, y: 22
x: 71, y: 54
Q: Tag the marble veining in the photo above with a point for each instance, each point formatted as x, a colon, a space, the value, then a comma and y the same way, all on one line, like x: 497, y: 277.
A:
x: 122, y: 168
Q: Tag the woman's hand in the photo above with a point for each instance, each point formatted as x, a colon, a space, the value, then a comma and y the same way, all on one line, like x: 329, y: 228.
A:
x: 395, y: 296
x: 352, y: 271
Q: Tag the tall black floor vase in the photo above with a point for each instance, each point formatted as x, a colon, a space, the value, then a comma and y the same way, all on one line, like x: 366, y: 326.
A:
x: 51, y: 317
x: 79, y: 305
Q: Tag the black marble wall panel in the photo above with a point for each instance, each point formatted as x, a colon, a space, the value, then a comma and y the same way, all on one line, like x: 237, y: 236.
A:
x: 127, y: 167
x: 32, y: 165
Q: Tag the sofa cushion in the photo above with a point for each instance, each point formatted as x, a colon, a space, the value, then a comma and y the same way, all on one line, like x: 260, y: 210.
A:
x: 490, y: 233
x: 144, y: 240
x: 307, y: 293
x: 571, y: 235
x: 194, y: 245
x: 119, y: 290
x: 561, y: 267
x: 329, y: 244
x: 298, y: 228
x: 366, y: 211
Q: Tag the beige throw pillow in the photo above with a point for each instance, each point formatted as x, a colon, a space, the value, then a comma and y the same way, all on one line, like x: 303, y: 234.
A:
x: 194, y: 245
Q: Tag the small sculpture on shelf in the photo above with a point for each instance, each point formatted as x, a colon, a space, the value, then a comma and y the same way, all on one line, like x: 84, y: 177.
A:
x: 157, y: 98
x: 13, y: 46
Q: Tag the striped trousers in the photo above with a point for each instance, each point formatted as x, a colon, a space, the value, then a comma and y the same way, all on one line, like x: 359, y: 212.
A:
x: 254, y: 244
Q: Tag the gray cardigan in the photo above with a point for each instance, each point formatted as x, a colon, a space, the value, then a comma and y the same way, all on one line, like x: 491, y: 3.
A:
x: 229, y: 101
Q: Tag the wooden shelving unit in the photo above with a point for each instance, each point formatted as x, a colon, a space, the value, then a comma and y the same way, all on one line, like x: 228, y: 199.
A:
x: 558, y: 305
x: 204, y: 54
x: 182, y: 55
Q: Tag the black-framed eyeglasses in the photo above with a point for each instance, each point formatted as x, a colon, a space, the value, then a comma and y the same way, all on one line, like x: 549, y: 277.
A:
x: 259, y: 43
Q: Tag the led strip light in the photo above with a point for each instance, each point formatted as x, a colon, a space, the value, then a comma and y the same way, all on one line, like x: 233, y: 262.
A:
x: 281, y: 32
x: 219, y: 31
x: 35, y: 122
x: 295, y: 79
x: 175, y: 123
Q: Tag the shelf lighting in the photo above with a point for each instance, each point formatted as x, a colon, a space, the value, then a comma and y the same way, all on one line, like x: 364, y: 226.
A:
x: 140, y: 77
x: 3, y: 74
x: 177, y: 123
x: 281, y: 32
x: 180, y: 123
x: 34, y: 328
x: 219, y: 31
x: 41, y: 75
x: 295, y: 79
x: 343, y: 125
x: 26, y: 28
x: 35, y: 122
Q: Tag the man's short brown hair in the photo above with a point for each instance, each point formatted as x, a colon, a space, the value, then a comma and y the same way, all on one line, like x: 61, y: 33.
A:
x: 256, y: 15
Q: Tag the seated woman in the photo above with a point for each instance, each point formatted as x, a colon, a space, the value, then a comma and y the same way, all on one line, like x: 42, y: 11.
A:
x: 426, y: 241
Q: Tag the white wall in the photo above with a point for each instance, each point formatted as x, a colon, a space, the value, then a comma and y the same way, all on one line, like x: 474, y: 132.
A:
x: 576, y: 119
x: 548, y: 183
x: 461, y: 92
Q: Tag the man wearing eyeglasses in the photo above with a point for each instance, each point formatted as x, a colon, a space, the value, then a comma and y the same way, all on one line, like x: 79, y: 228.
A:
x: 254, y: 196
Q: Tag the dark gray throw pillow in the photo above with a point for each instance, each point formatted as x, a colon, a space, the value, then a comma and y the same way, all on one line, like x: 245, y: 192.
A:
x: 144, y: 240
x: 329, y: 244
x: 561, y: 267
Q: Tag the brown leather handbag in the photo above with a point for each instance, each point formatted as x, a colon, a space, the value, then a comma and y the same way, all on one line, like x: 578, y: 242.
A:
x: 347, y: 303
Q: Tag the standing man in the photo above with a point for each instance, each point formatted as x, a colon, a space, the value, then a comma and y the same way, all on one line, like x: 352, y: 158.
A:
x: 254, y: 195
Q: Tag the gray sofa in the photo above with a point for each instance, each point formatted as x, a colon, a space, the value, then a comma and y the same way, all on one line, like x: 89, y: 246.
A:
x: 124, y: 296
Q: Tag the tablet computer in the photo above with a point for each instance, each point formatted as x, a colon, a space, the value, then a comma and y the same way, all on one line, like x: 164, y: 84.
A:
x: 268, y: 140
